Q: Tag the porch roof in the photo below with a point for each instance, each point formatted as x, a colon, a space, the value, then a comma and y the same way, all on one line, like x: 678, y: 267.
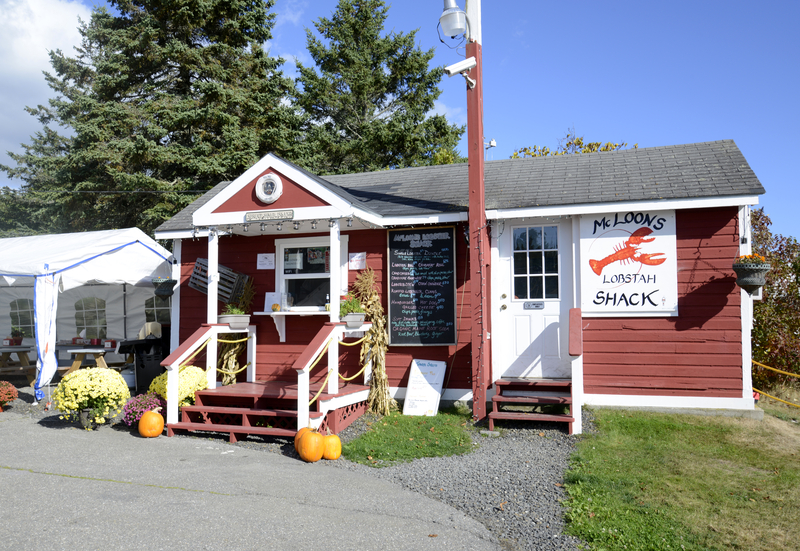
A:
x: 705, y: 170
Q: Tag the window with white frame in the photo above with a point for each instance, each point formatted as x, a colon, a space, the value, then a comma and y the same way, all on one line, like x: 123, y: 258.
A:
x: 21, y: 312
x: 303, y: 270
x: 535, y: 266
x: 90, y: 315
x: 158, y: 309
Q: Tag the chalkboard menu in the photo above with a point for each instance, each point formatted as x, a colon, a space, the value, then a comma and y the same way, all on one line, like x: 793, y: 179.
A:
x: 422, y: 286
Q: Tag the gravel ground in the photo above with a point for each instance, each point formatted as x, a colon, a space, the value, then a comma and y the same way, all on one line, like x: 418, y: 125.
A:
x: 511, y: 483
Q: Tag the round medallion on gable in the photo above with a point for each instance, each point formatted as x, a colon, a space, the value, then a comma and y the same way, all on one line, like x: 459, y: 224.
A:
x: 269, y: 188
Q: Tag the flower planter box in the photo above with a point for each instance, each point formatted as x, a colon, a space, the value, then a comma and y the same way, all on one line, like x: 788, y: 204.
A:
x: 237, y: 322
x: 751, y: 277
x: 354, y: 320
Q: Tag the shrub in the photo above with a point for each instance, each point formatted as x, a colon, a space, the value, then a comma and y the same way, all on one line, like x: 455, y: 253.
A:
x: 8, y: 393
x: 97, y: 388
x: 192, y: 379
x: 138, y: 405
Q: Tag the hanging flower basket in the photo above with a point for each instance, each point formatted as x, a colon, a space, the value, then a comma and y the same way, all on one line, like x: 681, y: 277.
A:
x: 751, y: 272
x: 164, y: 287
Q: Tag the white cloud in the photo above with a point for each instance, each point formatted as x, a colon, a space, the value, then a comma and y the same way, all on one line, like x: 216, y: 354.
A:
x: 455, y: 115
x: 28, y: 30
x: 290, y: 11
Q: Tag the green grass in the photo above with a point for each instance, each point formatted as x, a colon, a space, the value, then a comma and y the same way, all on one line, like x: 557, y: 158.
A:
x: 399, y: 438
x: 653, y: 481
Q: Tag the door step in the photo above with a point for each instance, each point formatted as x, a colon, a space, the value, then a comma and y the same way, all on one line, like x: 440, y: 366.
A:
x: 512, y: 395
x: 238, y: 421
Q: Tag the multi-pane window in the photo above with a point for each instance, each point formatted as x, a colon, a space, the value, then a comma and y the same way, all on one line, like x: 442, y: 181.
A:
x: 158, y: 309
x: 90, y: 314
x: 22, y: 316
x: 536, y: 262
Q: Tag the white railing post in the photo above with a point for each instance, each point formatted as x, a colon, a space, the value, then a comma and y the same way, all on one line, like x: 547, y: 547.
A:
x: 211, y: 358
x: 302, y: 397
x: 173, y: 387
x: 251, y: 353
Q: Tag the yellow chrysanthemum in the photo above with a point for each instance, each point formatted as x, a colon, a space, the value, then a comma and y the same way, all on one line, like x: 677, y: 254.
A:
x: 100, y: 389
x: 191, y: 379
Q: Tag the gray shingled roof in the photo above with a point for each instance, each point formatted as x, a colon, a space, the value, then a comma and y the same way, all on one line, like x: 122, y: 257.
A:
x: 700, y: 170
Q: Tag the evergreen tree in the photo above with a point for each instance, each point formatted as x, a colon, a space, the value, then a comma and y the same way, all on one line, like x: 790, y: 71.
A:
x: 164, y: 99
x: 368, y: 99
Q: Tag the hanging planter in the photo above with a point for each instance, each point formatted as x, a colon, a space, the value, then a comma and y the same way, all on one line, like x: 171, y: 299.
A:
x: 164, y: 287
x: 751, y: 272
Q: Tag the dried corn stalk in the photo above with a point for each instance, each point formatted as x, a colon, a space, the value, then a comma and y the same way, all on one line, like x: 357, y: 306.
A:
x: 228, y: 353
x: 375, y: 344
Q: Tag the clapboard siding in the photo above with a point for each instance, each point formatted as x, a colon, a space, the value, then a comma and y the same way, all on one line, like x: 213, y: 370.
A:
x: 698, y: 353
x: 275, y: 360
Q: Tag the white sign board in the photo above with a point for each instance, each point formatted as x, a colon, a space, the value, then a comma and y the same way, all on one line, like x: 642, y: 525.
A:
x: 358, y: 261
x: 424, y: 388
x: 629, y: 264
x: 265, y: 261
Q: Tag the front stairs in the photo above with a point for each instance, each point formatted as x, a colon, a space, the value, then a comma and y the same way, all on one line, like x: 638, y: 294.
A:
x: 521, y: 399
x: 268, y: 408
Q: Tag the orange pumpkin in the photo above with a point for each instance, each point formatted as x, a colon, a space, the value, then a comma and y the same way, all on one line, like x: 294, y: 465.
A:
x: 331, y: 447
x: 300, y: 433
x: 309, y: 447
x: 151, y: 424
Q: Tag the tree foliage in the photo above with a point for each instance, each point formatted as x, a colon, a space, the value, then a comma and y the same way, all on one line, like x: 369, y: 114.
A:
x: 570, y: 144
x: 368, y: 97
x: 164, y: 98
x: 776, y: 327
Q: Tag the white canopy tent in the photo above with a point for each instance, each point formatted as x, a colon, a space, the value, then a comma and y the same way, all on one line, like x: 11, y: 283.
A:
x: 53, y: 264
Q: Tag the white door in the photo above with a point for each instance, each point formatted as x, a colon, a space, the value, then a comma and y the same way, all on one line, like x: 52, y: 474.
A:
x: 532, y: 295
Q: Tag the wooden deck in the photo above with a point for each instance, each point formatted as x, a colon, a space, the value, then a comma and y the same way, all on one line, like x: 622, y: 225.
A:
x: 268, y: 408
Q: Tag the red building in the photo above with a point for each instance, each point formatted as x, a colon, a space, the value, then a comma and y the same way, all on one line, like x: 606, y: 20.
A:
x: 609, y: 274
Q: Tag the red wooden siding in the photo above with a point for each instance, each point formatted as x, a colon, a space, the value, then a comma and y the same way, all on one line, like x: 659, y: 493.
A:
x: 274, y: 360
x: 293, y: 197
x: 698, y: 353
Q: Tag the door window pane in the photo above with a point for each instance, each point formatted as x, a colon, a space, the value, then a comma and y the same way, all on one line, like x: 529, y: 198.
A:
x: 536, y: 254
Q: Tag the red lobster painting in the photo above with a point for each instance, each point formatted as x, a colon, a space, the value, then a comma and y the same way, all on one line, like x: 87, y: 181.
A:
x: 629, y: 252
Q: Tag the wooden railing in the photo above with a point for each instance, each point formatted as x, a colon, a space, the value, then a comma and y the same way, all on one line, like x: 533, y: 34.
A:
x: 206, y: 336
x: 329, y: 333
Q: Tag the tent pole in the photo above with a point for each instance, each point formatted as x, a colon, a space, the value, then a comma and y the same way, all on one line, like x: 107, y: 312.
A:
x: 125, y: 311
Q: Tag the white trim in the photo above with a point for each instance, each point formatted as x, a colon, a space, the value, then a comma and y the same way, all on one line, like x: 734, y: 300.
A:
x: 450, y: 394
x: 694, y: 402
x: 175, y: 313
x: 318, y: 241
x: 577, y: 362
x: 599, y: 208
x: 746, y: 307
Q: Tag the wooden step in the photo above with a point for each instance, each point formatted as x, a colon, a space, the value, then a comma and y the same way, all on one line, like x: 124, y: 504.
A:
x: 565, y: 399
x: 235, y: 431
x: 233, y: 410
x: 523, y: 382
x: 519, y: 416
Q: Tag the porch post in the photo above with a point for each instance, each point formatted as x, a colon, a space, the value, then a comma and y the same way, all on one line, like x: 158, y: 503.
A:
x: 336, y: 286
x: 175, y: 309
x: 213, y: 275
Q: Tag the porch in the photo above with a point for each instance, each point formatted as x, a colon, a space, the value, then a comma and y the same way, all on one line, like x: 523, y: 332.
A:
x: 269, y: 408
x: 266, y: 407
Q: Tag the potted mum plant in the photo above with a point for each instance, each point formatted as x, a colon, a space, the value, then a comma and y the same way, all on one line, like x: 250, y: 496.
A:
x: 751, y: 272
x: 351, y: 312
x: 92, y: 396
x: 8, y: 393
x: 139, y: 405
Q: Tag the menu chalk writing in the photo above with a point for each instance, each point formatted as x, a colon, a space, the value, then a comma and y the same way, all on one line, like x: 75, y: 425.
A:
x: 422, y: 286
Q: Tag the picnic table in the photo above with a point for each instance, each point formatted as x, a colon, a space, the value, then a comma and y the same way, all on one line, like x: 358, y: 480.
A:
x: 97, y: 352
x: 22, y: 365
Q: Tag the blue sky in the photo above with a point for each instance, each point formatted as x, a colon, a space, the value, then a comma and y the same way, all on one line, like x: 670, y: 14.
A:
x: 641, y: 72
